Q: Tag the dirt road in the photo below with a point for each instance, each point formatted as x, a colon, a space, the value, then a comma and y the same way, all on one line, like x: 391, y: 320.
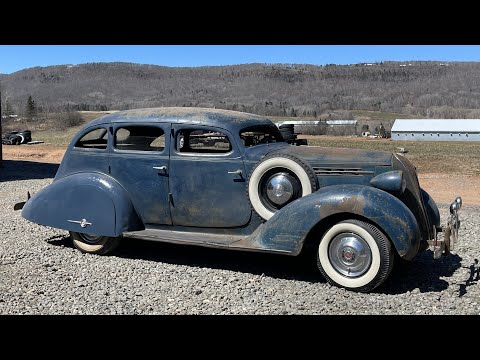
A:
x: 442, y: 187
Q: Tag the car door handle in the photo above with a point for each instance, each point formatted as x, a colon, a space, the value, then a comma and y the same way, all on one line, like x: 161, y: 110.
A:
x: 164, y: 168
x: 236, y: 172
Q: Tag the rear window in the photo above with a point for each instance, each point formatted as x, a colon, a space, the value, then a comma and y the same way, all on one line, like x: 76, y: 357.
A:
x: 94, y: 139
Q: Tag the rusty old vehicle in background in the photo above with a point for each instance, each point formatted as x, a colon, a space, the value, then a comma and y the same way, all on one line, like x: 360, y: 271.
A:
x: 230, y: 180
x: 17, y: 137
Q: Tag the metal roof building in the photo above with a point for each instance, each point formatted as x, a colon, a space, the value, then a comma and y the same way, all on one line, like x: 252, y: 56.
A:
x: 436, y: 129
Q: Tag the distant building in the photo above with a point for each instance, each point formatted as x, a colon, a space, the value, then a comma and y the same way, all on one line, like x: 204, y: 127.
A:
x: 341, y: 122
x: 436, y: 129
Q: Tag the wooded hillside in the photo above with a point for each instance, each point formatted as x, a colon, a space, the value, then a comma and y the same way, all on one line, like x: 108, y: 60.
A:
x: 431, y: 89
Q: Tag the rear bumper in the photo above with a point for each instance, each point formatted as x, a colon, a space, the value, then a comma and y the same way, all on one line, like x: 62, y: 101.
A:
x: 450, y: 232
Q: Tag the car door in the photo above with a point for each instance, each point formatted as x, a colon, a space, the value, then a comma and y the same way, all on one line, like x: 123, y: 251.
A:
x: 207, y: 178
x: 139, y: 162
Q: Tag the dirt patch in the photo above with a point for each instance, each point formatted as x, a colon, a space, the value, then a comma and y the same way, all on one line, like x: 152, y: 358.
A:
x: 442, y: 187
x: 41, y: 153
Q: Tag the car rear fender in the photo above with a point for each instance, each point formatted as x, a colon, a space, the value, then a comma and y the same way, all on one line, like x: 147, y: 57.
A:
x: 289, y: 227
x: 84, y: 202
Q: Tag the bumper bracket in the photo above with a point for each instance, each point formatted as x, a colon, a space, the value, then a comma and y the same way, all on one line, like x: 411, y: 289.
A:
x: 450, y: 232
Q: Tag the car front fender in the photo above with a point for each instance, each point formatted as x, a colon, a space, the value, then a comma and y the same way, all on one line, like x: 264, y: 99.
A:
x: 84, y: 202
x: 288, y: 228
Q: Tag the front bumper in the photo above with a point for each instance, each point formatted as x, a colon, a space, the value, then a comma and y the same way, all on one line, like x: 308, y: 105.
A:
x: 450, y: 232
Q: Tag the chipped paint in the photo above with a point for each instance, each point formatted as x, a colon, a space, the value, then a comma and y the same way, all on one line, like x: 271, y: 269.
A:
x: 200, y: 195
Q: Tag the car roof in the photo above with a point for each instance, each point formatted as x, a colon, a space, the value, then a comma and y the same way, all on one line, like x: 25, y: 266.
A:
x: 230, y: 120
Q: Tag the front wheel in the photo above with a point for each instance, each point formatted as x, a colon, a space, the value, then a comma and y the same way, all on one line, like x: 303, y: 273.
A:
x: 94, y: 244
x: 355, y: 255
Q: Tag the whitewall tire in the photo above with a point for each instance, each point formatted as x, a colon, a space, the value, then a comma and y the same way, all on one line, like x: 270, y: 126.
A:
x: 355, y: 255
x: 277, y: 180
x: 93, y: 244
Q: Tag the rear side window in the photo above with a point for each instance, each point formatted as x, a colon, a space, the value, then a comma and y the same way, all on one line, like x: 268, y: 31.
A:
x: 202, y: 141
x: 95, y: 139
x: 260, y: 134
x: 140, y: 138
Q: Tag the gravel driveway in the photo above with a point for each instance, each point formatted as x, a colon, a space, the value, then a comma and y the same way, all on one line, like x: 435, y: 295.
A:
x: 41, y: 273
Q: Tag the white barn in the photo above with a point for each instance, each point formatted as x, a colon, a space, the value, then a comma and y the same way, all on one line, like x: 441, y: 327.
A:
x: 436, y: 129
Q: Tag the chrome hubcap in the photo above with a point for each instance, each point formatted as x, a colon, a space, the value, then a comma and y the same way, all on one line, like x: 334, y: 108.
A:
x: 90, y: 238
x: 279, y: 189
x: 350, y: 255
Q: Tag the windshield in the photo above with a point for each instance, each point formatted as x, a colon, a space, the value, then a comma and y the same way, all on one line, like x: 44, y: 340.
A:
x: 260, y: 134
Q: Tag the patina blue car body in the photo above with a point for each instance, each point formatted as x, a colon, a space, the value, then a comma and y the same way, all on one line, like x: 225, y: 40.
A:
x: 182, y: 175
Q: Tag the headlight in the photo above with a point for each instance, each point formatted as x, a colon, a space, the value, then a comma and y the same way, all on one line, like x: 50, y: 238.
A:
x: 458, y: 201
x: 391, y: 181
x: 454, y: 208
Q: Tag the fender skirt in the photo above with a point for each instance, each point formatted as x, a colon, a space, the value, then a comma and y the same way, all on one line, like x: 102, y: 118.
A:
x: 93, y: 200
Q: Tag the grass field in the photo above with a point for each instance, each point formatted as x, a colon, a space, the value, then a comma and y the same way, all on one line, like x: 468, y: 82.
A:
x: 428, y: 156
x: 61, y: 138
x: 42, y: 132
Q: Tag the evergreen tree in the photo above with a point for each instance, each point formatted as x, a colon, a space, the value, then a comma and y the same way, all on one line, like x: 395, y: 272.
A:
x: 30, y: 111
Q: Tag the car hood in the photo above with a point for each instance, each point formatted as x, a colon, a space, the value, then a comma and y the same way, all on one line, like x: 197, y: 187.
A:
x: 321, y: 155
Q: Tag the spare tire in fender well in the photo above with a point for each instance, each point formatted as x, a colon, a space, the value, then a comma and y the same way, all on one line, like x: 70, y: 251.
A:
x: 277, y: 180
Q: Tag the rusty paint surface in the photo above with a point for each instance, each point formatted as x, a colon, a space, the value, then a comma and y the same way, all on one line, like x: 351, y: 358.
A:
x: 299, y: 217
x: 318, y: 155
x: 215, y: 117
x: 200, y: 196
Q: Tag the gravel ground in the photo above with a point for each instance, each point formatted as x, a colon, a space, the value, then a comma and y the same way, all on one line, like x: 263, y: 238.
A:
x: 41, y: 273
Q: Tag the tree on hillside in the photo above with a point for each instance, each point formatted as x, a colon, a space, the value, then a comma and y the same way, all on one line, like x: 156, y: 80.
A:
x: 30, y: 110
x: 8, y: 108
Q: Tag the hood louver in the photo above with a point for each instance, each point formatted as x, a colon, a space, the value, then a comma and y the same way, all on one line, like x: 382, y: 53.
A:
x: 324, y: 171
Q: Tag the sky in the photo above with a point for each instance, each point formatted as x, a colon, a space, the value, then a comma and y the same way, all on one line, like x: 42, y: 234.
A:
x: 17, y: 57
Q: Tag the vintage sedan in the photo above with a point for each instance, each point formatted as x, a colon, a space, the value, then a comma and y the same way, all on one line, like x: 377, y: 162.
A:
x: 230, y: 180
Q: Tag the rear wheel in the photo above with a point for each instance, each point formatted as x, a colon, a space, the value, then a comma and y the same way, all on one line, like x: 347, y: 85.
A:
x: 94, y: 244
x: 355, y: 255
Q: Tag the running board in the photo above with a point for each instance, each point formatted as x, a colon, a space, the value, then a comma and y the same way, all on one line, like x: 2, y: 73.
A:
x: 234, y: 242
x: 183, y: 237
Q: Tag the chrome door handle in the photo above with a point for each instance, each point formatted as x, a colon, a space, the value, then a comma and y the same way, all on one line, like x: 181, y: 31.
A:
x: 160, y: 168
x: 236, y: 172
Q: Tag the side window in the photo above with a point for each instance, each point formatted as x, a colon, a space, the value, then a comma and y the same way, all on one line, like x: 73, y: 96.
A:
x: 203, y: 141
x: 260, y: 134
x: 95, y: 139
x: 140, y: 138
